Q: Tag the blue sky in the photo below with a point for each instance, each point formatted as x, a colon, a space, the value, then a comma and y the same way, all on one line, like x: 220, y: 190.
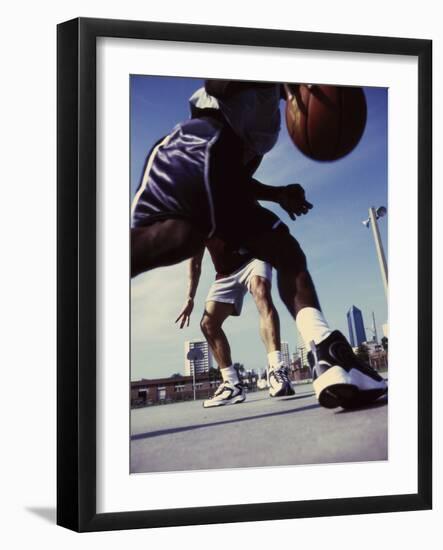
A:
x: 340, y: 250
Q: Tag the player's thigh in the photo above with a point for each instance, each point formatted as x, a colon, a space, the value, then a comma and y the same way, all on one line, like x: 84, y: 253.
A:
x: 277, y: 247
x: 163, y: 243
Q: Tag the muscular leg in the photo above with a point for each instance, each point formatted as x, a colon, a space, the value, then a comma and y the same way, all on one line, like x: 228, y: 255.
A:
x: 283, y: 252
x: 211, y: 325
x: 279, y: 384
x: 231, y: 390
x: 269, y: 321
x: 163, y: 243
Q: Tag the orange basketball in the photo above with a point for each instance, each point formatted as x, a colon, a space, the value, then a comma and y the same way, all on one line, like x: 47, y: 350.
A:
x: 325, y: 122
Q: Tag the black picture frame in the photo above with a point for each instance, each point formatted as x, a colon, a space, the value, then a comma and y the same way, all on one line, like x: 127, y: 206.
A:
x: 77, y: 249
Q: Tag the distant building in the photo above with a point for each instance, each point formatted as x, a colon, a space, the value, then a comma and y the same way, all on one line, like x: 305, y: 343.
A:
x: 285, y: 354
x: 357, y: 334
x: 302, y: 356
x: 201, y: 365
x: 373, y: 347
x: 168, y: 390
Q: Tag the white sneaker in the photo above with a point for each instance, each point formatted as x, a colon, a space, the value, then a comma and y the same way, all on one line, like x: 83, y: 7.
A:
x: 279, y: 383
x: 226, y: 394
x: 341, y: 379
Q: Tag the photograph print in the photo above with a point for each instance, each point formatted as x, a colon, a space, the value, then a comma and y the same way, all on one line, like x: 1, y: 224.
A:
x: 259, y: 274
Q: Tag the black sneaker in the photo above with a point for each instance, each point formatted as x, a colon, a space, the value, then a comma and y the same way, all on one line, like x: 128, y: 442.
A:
x: 279, y: 383
x: 341, y: 379
x: 226, y: 394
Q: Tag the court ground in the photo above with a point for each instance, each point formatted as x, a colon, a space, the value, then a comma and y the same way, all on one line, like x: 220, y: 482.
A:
x: 259, y: 432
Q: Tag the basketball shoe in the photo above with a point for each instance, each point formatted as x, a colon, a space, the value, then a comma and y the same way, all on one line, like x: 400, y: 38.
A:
x: 226, y: 394
x: 279, y: 383
x: 341, y: 379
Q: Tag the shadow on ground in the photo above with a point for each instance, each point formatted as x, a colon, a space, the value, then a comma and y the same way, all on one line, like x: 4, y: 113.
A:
x: 167, y: 431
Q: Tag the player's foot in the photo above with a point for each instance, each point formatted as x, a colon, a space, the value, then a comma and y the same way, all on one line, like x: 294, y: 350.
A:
x: 279, y: 383
x: 341, y: 379
x: 226, y: 394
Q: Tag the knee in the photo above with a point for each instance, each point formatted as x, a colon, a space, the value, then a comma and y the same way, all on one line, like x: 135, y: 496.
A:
x: 261, y: 292
x: 208, y: 326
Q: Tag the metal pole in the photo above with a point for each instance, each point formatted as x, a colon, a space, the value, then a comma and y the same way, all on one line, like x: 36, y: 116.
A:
x: 379, y: 248
x: 374, y: 328
x: 193, y: 378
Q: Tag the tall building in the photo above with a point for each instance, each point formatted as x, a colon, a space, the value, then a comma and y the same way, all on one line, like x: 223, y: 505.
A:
x: 203, y: 362
x: 357, y: 334
x: 285, y: 354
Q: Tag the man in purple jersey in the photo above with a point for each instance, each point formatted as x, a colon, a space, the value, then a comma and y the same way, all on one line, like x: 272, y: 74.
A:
x: 198, y: 183
x: 236, y: 274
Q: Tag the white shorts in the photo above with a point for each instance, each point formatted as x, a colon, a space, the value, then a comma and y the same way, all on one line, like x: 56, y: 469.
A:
x: 232, y: 289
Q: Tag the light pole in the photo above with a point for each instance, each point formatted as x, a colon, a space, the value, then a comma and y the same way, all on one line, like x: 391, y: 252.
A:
x: 373, y: 329
x: 374, y: 215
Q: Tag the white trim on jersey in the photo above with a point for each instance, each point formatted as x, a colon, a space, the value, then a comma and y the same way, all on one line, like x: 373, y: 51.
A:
x: 146, y: 173
x: 207, y: 185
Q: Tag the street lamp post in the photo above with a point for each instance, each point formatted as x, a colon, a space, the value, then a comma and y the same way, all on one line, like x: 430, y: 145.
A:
x: 374, y: 215
x: 373, y: 329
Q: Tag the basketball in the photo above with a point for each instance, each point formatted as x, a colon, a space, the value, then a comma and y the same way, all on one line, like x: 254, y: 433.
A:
x: 325, y: 122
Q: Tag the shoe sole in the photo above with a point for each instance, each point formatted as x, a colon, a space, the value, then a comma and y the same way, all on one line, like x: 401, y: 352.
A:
x: 349, y: 390
x: 234, y: 401
x: 285, y: 391
x: 363, y: 398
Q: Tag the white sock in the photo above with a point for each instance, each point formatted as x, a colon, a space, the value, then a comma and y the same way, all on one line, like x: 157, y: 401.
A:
x: 229, y: 374
x: 275, y: 359
x: 312, y: 326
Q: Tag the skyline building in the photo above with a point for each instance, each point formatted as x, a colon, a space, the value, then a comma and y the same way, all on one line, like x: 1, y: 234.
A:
x: 200, y: 365
x: 356, y: 326
x: 285, y: 354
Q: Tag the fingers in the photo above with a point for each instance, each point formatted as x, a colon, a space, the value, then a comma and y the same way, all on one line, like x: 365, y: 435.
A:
x: 299, y: 210
x: 184, y: 319
x: 306, y: 207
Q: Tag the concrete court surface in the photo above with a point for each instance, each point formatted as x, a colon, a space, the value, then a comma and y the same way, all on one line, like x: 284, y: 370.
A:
x: 258, y: 432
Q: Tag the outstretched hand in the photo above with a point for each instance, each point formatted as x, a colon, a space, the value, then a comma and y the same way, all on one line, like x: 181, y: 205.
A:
x: 185, y: 314
x: 292, y: 199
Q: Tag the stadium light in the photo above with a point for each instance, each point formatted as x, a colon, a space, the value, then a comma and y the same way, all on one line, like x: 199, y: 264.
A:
x: 381, y: 212
x: 374, y: 215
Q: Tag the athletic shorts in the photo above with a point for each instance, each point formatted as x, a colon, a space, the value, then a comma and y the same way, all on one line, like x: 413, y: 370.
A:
x: 197, y: 173
x: 232, y: 289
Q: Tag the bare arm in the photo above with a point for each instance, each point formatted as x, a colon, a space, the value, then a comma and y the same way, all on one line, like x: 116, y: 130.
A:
x: 290, y: 197
x: 194, y: 272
